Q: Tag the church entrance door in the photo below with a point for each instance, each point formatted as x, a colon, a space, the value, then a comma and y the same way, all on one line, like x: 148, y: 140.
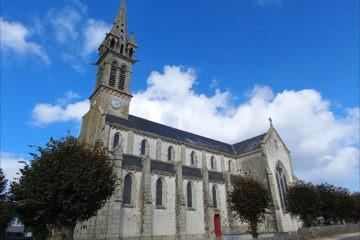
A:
x: 217, y: 225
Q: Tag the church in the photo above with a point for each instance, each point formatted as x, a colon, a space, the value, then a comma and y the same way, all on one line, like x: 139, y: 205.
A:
x: 171, y: 184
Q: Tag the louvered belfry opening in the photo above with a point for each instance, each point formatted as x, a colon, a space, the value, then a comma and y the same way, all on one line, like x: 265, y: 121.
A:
x: 122, y: 76
x: 113, y: 70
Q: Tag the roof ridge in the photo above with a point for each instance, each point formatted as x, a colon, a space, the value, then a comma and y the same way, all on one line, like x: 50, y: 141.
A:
x: 248, y: 139
x: 181, y: 130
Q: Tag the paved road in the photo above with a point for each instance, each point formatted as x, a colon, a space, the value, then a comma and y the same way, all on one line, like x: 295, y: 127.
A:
x: 349, y: 236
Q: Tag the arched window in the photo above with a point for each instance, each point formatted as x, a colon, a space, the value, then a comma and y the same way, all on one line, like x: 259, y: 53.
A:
x: 212, y: 162
x: 229, y: 163
x: 122, y: 48
x: 116, y: 140
x: 113, y: 73
x: 192, y: 158
x: 122, y: 76
x: 170, y: 154
x: 127, y: 189
x: 189, y: 195
x: 214, y: 197
x: 131, y: 53
x: 144, y: 147
x: 159, y: 192
x: 112, y: 43
x: 282, y: 184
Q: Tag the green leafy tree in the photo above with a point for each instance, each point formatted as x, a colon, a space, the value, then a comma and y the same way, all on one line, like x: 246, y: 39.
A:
x: 250, y: 199
x: 343, y: 206
x: 304, y: 201
x: 328, y: 201
x: 5, y: 207
x: 355, y: 213
x: 3, y: 183
x: 66, y: 182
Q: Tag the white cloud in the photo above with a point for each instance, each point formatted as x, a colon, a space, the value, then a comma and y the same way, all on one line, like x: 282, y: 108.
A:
x: 325, y: 147
x: 68, y: 96
x: 94, y: 34
x: 77, y: 35
x: 65, y: 23
x: 14, y: 36
x: 340, y: 167
x: 10, y: 164
x: 62, y: 110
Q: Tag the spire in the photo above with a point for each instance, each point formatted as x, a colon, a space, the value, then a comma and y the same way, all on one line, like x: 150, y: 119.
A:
x: 118, y: 39
x: 120, y: 27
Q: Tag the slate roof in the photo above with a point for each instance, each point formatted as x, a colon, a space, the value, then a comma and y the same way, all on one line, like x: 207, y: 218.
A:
x: 177, y: 134
x: 248, y: 145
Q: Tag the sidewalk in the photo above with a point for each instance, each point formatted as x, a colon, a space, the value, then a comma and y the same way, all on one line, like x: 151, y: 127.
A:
x: 347, y: 236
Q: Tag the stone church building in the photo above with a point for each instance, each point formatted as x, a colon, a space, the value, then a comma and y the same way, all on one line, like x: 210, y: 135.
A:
x: 172, y: 184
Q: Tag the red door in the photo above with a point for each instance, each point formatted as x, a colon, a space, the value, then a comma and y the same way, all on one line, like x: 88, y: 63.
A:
x: 217, y: 225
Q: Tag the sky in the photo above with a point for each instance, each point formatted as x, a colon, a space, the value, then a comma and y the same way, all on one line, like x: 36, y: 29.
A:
x: 216, y: 68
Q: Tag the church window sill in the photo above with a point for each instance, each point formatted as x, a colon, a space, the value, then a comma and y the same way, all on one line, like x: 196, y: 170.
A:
x: 126, y: 205
x: 160, y: 207
x: 191, y: 209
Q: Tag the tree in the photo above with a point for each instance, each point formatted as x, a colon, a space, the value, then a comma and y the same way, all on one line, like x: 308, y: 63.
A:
x: 328, y: 201
x: 343, y: 205
x: 5, y: 206
x: 304, y: 201
x: 3, y: 183
x: 66, y: 182
x: 250, y: 199
x: 355, y: 199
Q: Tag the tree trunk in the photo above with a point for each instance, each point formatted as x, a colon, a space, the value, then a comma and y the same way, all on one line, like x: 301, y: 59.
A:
x: 67, y: 232
x: 253, y: 229
x: 56, y: 233
x: 63, y: 233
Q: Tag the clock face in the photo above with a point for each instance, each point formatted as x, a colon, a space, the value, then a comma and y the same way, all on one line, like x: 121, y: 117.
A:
x: 115, y: 104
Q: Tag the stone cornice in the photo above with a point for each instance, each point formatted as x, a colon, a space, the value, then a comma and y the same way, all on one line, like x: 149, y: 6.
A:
x: 114, y: 91
x: 107, y: 51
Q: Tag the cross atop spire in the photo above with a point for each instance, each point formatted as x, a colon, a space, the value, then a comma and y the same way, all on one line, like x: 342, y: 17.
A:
x: 120, y: 26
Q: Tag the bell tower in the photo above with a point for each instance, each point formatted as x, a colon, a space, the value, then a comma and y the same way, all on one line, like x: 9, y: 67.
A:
x: 111, y: 95
x: 116, y: 57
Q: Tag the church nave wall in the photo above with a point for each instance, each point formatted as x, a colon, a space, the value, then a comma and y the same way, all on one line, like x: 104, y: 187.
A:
x: 130, y: 221
x: 194, y: 214
x: 164, y: 215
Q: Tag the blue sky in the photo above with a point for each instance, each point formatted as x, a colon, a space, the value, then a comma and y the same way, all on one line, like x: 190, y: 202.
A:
x: 254, y: 57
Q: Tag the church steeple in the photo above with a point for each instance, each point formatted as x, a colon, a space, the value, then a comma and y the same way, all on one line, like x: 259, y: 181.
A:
x: 116, y: 57
x: 111, y: 95
x: 117, y: 39
x: 119, y: 27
